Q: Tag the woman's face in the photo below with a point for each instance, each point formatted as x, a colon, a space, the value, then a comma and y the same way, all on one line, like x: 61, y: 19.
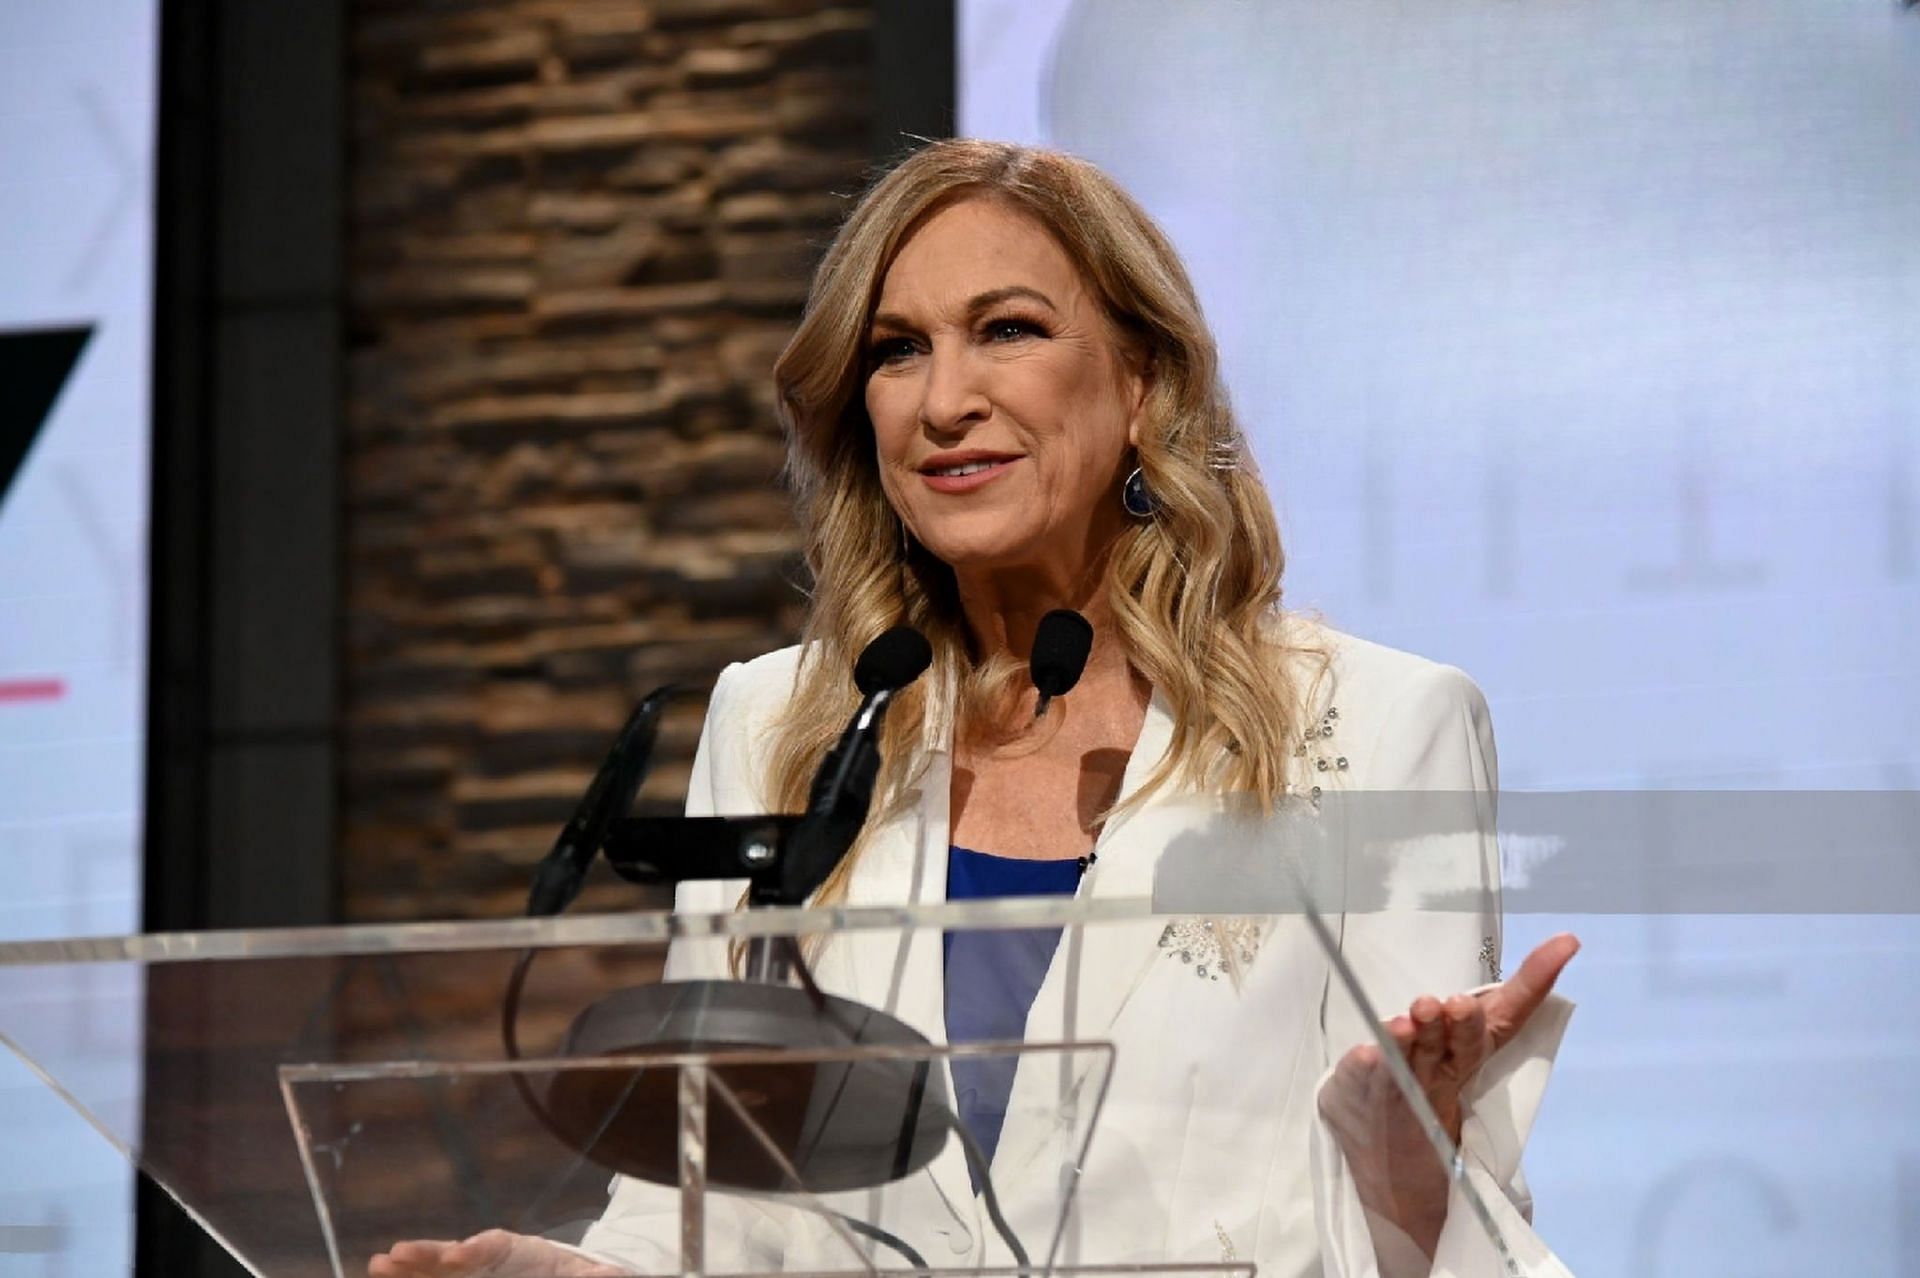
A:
x: 1002, y: 408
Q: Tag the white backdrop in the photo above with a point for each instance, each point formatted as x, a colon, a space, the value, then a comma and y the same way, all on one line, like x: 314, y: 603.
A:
x: 1580, y: 346
x: 78, y: 102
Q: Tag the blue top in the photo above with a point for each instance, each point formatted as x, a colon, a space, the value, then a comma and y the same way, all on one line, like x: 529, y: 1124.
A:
x: 992, y: 977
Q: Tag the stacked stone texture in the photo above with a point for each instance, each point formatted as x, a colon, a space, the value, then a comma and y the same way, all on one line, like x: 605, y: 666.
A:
x: 581, y: 231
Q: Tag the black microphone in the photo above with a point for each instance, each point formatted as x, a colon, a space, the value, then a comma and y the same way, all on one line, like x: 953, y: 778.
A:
x: 562, y: 872
x: 843, y: 786
x: 1060, y: 649
x: 892, y: 661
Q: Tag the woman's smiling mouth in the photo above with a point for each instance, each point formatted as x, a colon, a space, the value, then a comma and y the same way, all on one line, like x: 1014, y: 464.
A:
x: 964, y: 472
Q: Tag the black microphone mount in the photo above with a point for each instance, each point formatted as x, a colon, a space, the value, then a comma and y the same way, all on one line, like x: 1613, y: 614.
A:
x: 785, y: 859
x: 842, y: 1124
x: 558, y: 878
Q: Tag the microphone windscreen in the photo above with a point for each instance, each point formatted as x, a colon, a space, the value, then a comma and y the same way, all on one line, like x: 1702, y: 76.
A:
x: 892, y: 661
x: 1060, y: 648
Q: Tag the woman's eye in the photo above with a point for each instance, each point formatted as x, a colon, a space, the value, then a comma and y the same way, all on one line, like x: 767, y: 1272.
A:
x: 1008, y: 330
x: 890, y: 350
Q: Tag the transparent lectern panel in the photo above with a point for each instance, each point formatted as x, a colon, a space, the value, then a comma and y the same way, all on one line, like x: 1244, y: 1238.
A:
x: 181, y: 1069
x: 1162, y: 1114
x: 773, y: 1161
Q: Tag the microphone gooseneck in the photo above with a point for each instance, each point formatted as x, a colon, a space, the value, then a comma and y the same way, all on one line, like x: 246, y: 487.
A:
x: 843, y: 786
x: 558, y: 878
x: 1061, y: 646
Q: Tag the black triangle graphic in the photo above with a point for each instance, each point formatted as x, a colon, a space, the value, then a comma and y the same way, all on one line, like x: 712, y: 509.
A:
x: 34, y: 366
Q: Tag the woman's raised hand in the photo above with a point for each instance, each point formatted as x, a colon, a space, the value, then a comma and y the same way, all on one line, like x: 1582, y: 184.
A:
x: 1396, y: 1171
x: 493, y: 1254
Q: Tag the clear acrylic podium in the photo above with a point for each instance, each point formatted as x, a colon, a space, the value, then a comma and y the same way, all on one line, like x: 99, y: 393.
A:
x: 311, y: 1097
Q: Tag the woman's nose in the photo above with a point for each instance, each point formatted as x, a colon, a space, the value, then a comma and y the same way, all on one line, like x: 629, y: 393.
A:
x: 952, y: 397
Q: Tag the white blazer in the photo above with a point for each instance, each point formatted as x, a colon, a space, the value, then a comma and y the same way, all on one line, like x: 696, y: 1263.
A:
x: 1209, y: 1147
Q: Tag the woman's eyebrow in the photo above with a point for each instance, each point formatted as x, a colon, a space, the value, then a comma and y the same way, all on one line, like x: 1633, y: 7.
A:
x: 993, y: 297
x: 975, y: 306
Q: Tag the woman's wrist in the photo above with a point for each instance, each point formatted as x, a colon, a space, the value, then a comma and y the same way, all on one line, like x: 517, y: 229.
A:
x: 1411, y: 1203
x: 1397, y: 1253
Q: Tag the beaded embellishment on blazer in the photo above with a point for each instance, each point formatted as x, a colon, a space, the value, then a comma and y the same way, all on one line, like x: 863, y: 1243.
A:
x: 1318, y: 744
x: 1213, y: 946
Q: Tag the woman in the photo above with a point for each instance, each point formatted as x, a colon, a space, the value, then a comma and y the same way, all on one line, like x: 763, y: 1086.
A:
x: 1002, y: 400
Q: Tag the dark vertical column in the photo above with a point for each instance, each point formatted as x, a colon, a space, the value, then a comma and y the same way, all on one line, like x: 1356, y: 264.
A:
x: 915, y: 52
x: 247, y: 405
x: 276, y: 405
x: 178, y: 543
x: 247, y: 409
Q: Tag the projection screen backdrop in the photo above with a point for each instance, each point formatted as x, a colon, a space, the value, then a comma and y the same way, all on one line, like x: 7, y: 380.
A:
x: 1577, y: 343
x: 78, y: 100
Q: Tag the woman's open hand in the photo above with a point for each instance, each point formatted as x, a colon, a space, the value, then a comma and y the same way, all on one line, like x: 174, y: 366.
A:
x: 1396, y: 1171
x: 493, y: 1254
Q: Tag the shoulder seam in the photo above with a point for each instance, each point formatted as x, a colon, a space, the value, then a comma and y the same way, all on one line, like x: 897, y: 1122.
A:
x: 1435, y: 671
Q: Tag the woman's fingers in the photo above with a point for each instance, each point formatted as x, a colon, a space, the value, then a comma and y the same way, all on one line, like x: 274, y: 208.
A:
x: 1509, y: 1005
x: 1466, y: 1036
x: 1348, y: 1084
x: 487, y: 1252
x: 1443, y: 1042
x: 1429, y: 1045
x: 1351, y: 1100
x: 495, y: 1253
x: 420, y: 1258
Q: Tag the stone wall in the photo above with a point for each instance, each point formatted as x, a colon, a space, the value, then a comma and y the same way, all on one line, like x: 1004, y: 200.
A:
x: 580, y: 232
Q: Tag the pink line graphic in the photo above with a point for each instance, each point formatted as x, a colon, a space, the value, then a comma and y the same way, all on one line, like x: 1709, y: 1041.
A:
x: 18, y: 690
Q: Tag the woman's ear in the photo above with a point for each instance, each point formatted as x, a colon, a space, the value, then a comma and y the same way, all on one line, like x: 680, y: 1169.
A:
x: 1140, y: 371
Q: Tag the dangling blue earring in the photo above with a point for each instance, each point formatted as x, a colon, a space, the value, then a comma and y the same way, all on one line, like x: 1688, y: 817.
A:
x: 1135, y: 497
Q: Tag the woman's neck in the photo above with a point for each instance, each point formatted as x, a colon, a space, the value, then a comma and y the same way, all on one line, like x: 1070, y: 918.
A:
x: 1003, y: 607
x: 1107, y: 704
x: 1003, y: 610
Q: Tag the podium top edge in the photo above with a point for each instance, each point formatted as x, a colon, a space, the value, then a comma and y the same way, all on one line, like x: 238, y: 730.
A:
x: 636, y: 928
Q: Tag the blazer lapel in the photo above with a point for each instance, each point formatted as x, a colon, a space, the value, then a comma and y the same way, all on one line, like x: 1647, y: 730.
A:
x: 1096, y: 969
x: 904, y: 863
x: 903, y: 971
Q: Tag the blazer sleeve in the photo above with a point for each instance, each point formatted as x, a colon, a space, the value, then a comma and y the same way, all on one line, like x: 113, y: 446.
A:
x: 722, y: 781
x: 1422, y: 916
x: 722, y: 784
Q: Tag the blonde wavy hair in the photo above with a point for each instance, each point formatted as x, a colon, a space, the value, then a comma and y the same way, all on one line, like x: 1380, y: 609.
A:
x: 1194, y: 590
